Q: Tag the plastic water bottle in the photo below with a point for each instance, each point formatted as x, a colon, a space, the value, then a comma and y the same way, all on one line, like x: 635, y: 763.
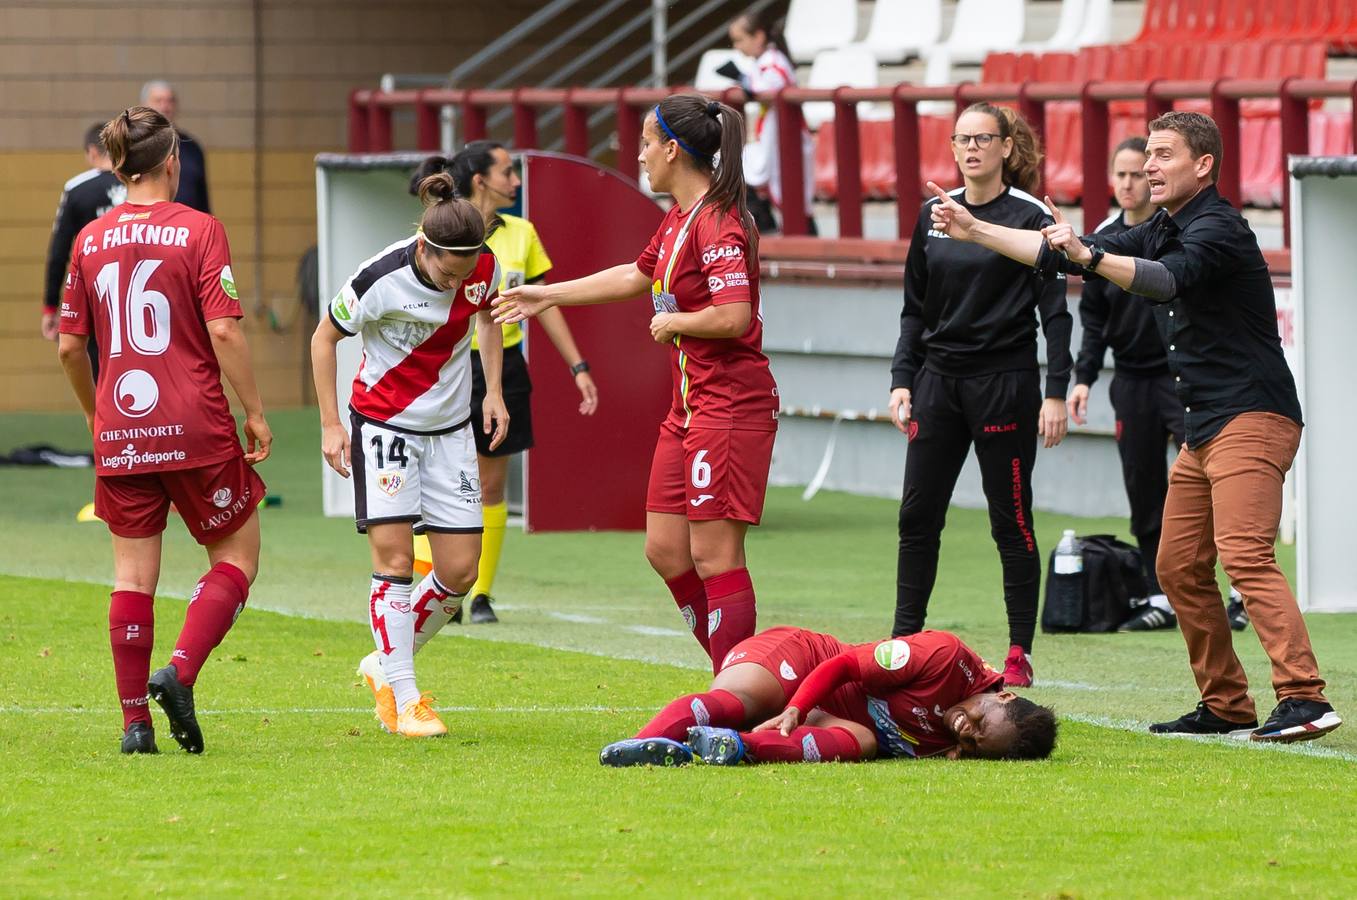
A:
x: 1065, y: 606
x: 1069, y: 560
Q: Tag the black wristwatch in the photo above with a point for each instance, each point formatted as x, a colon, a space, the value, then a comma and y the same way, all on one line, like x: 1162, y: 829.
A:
x: 581, y: 366
x: 1098, y: 254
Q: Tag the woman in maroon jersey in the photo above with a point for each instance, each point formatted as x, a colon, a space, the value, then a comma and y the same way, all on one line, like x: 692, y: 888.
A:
x: 821, y: 700
x: 151, y: 279
x: 710, y: 469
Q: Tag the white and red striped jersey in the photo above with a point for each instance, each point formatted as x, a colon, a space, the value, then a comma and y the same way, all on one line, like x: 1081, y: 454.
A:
x: 772, y: 72
x: 416, y: 369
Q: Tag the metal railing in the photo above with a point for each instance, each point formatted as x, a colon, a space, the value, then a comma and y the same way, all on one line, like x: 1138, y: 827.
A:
x: 370, y: 127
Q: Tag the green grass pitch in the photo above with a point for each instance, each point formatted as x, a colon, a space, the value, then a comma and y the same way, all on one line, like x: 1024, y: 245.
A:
x: 299, y: 792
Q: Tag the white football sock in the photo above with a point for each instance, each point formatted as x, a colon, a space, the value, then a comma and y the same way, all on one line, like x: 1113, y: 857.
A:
x: 434, y: 606
x: 1160, y: 602
x: 393, y: 631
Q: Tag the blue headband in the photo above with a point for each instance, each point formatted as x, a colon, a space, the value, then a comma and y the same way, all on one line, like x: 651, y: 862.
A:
x: 659, y: 117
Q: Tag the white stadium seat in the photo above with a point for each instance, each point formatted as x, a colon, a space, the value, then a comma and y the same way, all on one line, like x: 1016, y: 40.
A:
x: 707, y: 80
x: 851, y: 66
x: 1066, y: 36
x: 900, y: 29
x: 983, y: 26
x: 1097, y: 27
x: 816, y: 25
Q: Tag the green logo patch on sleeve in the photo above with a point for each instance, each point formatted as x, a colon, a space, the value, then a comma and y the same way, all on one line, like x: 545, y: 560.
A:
x: 341, y: 309
x: 891, y: 655
x: 228, y: 283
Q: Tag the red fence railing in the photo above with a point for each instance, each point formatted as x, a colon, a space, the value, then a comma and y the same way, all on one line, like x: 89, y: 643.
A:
x: 371, y: 111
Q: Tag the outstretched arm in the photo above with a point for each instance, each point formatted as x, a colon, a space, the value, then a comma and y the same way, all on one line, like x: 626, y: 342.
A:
x: 955, y: 221
x: 608, y: 286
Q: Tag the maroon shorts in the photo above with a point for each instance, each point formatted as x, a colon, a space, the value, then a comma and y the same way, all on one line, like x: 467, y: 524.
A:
x: 710, y: 473
x: 213, y: 500
x: 789, y: 655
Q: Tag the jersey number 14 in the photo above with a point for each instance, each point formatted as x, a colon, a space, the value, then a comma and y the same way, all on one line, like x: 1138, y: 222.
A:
x: 147, y: 312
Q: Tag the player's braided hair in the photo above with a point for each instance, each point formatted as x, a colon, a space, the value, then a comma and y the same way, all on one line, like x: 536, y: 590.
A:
x: 1022, y: 168
x: 449, y: 221
x: 1034, y: 729
x: 711, y: 134
x: 139, y: 140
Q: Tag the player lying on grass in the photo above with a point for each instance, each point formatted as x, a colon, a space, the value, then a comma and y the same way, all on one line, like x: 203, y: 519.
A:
x: 821, y: 700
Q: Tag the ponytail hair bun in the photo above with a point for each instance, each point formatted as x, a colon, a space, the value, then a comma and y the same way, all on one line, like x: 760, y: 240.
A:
x: 437, y: 188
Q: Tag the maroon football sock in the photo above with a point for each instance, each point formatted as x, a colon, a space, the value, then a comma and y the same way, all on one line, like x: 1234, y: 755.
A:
x: 212, y: 609
x: 131, y: 632
x: 720, y: 708
x: 731, y: 615
x: 804, y: 744
x: 690, y: 596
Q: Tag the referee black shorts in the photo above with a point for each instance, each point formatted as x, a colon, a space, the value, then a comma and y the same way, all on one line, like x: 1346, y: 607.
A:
x: 517, y: 399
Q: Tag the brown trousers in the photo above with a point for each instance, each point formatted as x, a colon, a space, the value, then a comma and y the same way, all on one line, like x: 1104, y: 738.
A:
x: 1225, y: 497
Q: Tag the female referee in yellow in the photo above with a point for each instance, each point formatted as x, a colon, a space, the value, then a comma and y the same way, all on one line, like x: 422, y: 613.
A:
x: 484, y: 173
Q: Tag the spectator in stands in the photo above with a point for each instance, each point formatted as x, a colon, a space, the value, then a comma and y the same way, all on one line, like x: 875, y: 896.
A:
x: 965, y: 372
x: 1148, y: 412
x: 160, y: 96
x: 1197, y: 260
x: 85, y: 198
x: 752, y: 35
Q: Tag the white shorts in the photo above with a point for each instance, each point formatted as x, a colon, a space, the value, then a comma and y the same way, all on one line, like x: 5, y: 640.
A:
x: 429, y: 480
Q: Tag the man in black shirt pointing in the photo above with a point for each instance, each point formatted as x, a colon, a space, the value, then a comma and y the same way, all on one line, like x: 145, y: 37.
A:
x: 1197, y: 260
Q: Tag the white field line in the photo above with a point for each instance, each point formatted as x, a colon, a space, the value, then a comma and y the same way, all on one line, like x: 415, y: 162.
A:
x: 1099, y: 688
x: 1133, y: 725
x: 334, y: 710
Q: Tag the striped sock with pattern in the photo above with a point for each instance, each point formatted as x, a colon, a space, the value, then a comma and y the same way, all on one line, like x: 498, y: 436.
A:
x: 393, y: 631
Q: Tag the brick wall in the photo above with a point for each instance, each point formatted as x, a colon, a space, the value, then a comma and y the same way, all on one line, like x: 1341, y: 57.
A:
x: 262, y: 84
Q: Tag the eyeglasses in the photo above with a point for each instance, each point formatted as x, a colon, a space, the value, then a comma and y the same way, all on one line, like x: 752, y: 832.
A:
x: 982, y: 140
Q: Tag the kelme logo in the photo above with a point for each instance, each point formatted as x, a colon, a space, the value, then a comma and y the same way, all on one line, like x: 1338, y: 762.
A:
x: 228, y: 283
x: 891, y: 655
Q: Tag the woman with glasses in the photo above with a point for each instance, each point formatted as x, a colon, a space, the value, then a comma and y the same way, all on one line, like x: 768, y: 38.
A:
x: 965, y: 372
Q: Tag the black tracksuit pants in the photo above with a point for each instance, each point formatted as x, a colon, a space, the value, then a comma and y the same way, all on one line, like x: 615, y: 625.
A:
x: 998, y: 414
x: 1148, y: 415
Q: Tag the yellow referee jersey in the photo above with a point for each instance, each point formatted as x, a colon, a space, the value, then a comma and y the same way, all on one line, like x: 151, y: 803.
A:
x: 521, y: 258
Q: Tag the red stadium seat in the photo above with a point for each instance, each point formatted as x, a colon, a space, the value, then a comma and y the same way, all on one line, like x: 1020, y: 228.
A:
x: 999, y: 68
x: 935, y: 151
x: 1342, y: 36
x: 1199, y: 21
x: 878, y: 159
x: 1155, y: 27
x: 1064, y: 169
x: 1055, y: 67
x: 1260, y: 142
x: 1337, y: 133
x: 826, y: 176
x: 1238, y: 21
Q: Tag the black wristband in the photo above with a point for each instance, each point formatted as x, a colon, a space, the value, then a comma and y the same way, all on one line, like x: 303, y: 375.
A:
x: 581, y: 366
x: 1098, y: 254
